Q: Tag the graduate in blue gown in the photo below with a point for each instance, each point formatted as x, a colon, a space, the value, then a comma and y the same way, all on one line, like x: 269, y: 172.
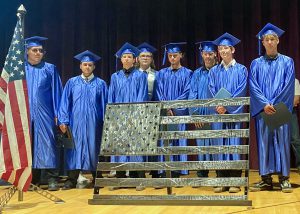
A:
x: 82, y: 108
x: 198, y: 90
x: 145, y: 63
x: 173, y: 83
x: 233, y: 77
x: 272, y: 80
x: 128, y: 85
x: 44, y: 93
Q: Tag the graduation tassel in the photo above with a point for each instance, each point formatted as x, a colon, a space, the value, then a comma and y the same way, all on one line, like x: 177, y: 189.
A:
x: 259, y: 47
x: 164, y: 59
x: 116, y: 64
x: 200, y: 59
x: 200, y: 56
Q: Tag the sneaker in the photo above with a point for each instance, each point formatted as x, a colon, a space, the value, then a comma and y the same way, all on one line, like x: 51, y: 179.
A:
x: 286, y: 186
x: 53, y: 186
x: 234, y: 189
x: 82, y: 179
x: 140, y: 188
x: 261, y: 186
x: 112, y: 174
x: 219, y: 189
x: 91, y: 185
x: 82, y: 185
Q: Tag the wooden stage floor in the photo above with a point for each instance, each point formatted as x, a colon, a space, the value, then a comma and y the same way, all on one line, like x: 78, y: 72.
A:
x: 77, y: 201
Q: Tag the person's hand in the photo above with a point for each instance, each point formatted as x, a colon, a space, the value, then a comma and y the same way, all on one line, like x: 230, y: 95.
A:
x: 296, y: 100
x: 221, y: 109
x: 199, y: 125
x: 170, y: 112
x: 269, y: 109
x: 63, y: 128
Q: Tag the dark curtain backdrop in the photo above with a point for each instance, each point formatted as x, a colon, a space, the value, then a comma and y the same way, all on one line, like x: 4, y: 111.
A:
x: 102, y: 26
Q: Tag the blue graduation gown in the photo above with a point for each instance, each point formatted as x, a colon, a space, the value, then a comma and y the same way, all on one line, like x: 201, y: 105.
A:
x: 198, y: 90
x: 44, y: 93
x: 151, y: 73
x: 234, y: 80
x: 128, y: 89
x: 174, y: 85
x: 272, y: 82
x: 82, y: 108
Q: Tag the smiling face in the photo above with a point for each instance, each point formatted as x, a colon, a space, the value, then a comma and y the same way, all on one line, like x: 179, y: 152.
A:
x: 209, y: 58
x: 87, y: 68
x: 226, y: 52
x: 35, y: 54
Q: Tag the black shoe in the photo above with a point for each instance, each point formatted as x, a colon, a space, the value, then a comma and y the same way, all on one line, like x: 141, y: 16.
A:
x: 91, y: 185
x: 261, y: 186
x: 68, y: 185
x: 53, y: 186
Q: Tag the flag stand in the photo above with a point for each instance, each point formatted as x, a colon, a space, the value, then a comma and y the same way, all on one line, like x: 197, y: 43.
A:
x: 45, y: 194
x: 20, y: 195
x: 4, y: 199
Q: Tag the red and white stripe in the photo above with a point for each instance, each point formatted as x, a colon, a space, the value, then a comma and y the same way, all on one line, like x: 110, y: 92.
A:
x: 15, y: 146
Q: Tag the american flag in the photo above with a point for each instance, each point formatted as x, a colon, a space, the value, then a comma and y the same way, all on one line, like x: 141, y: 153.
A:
x: 15, y: 144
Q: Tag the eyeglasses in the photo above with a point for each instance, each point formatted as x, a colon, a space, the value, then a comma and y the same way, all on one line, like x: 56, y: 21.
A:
x: 35, y: 50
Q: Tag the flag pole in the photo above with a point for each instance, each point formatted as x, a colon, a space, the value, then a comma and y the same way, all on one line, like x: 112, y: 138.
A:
x: 21, y: 15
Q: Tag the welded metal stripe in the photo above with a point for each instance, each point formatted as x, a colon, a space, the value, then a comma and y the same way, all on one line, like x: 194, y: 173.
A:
x: 187, y: 165
x: 171, y: 182
x: 194, y: 150
x: 239, y: 201
x: 237, y: 101
x: 201, y: 134
x: 220, y: 118
x: 171, y: 200
x: 189, y: 150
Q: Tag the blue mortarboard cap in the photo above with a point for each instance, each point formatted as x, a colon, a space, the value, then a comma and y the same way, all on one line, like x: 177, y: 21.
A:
x: 34, y: 41
x: 173, y: 47
x: 87, y: 56
x: 267, y: 30
x: 127, y: 48
x: 227, y: 40
x: 145, y: 47
x: 207, y: 46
